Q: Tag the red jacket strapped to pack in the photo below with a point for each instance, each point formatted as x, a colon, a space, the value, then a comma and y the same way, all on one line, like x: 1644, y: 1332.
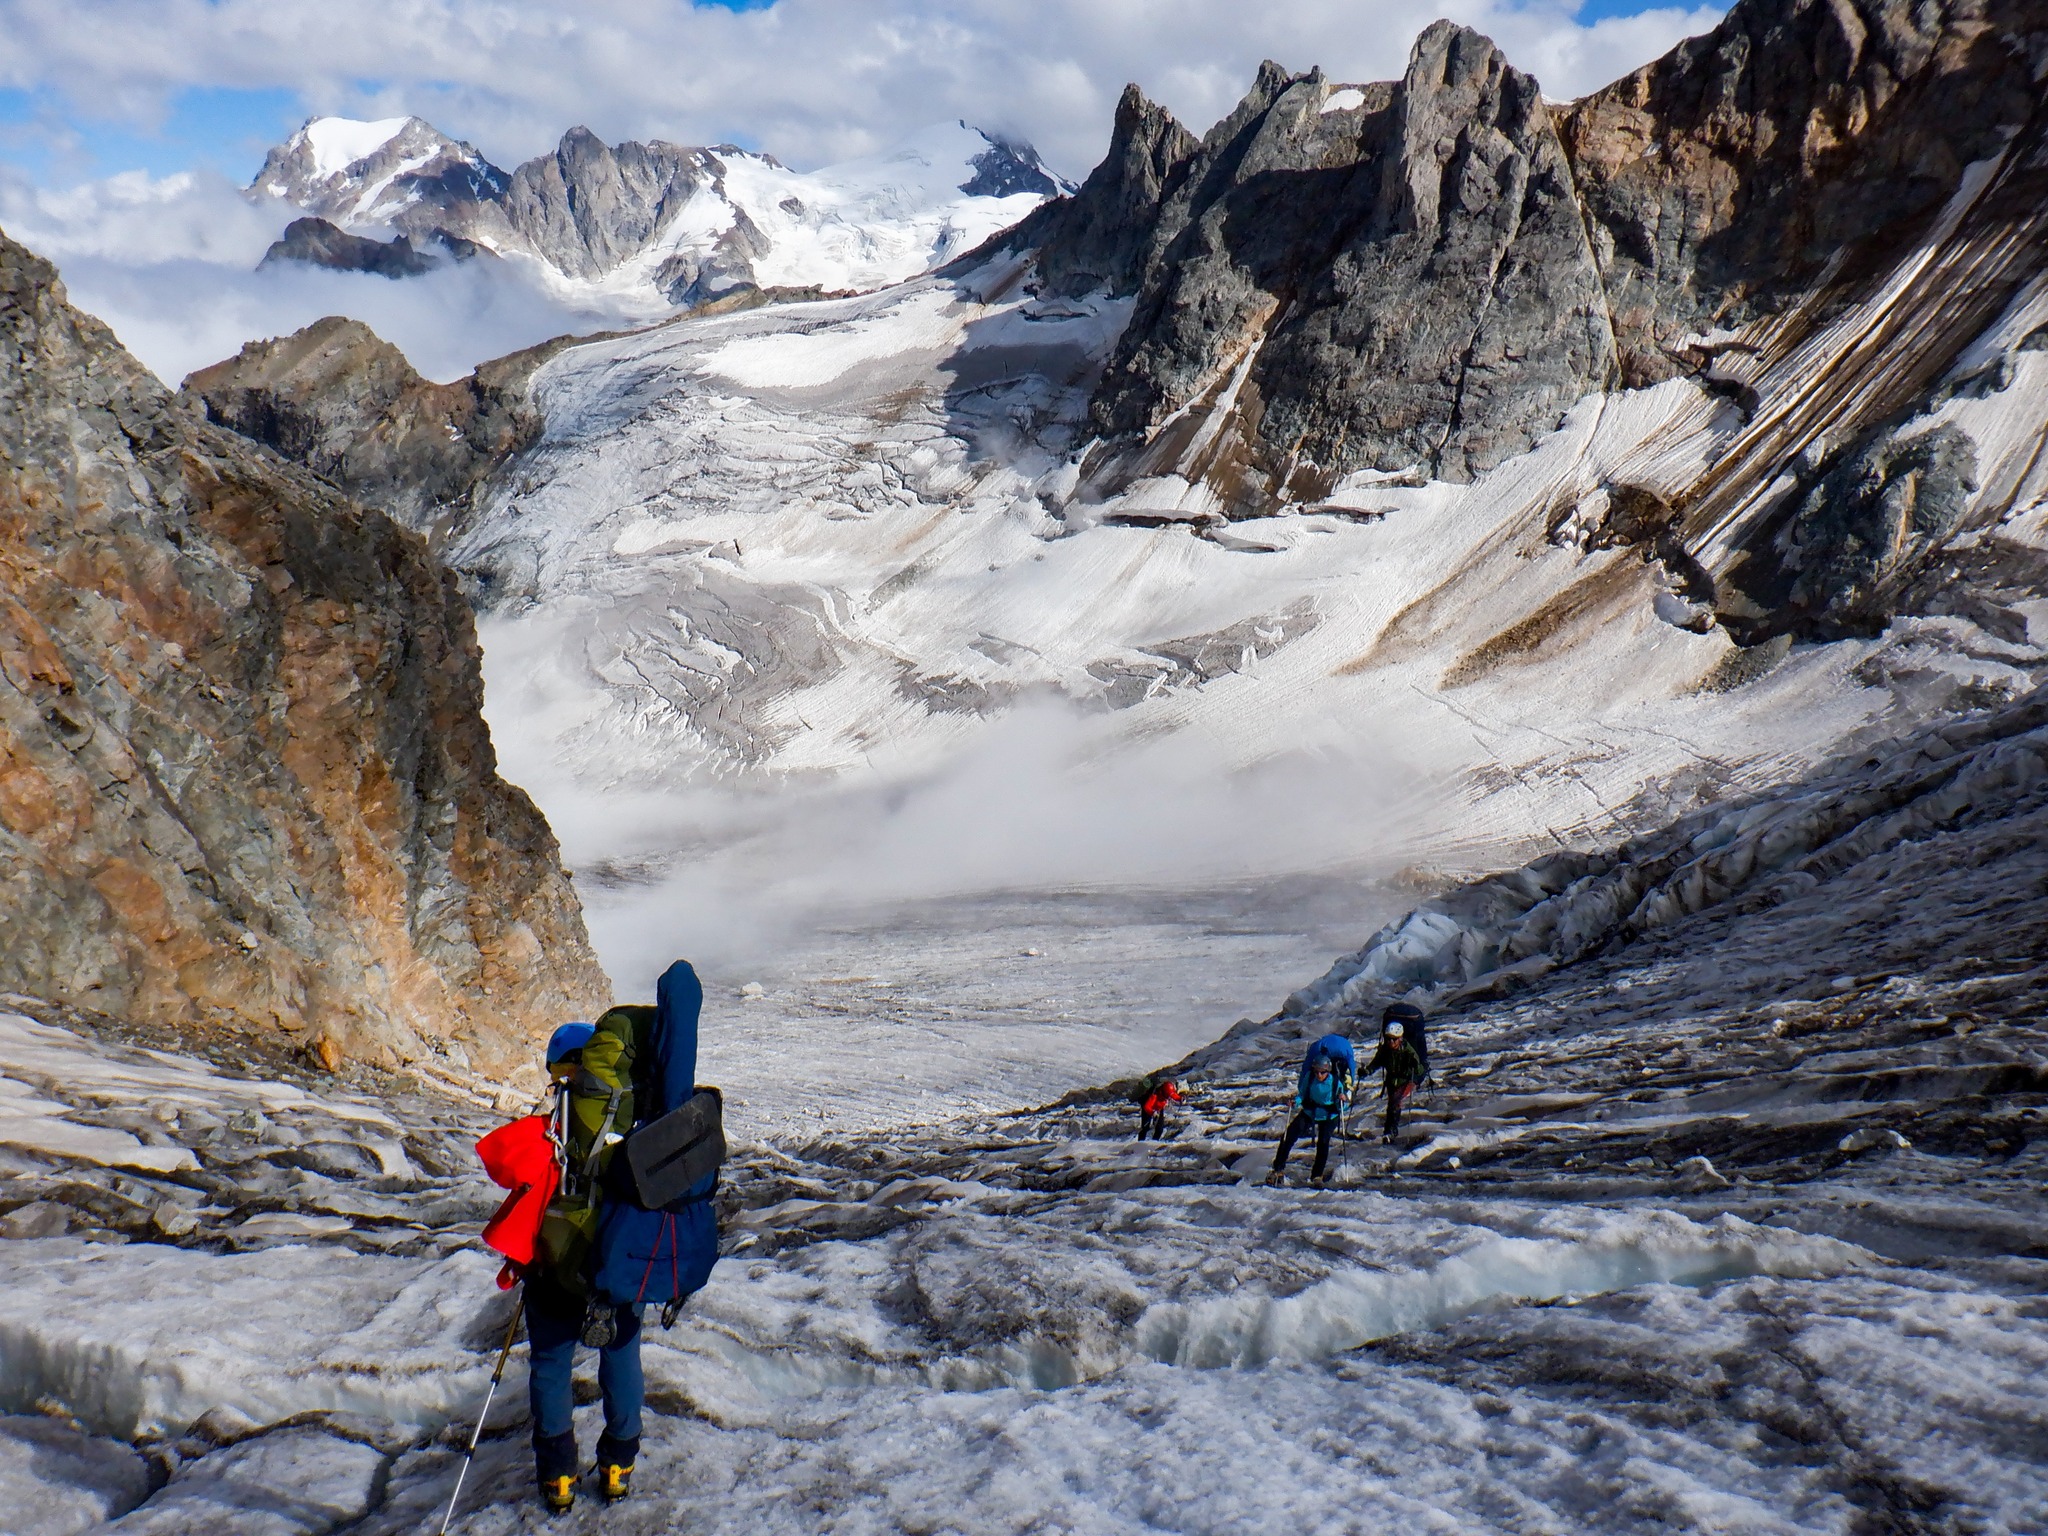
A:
x: 519, y: 1157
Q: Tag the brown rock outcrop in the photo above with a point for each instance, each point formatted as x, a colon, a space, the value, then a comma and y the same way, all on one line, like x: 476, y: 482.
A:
x: 244, y: 776
x: 345, y: 403
x: 1801, y: 144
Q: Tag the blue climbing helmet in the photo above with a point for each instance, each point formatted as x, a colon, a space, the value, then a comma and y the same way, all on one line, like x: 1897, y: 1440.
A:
x: 567, y: 1041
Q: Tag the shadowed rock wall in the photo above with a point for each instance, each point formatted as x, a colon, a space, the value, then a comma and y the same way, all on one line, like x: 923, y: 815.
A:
x: 1422, y: 276
x: 346, y: 404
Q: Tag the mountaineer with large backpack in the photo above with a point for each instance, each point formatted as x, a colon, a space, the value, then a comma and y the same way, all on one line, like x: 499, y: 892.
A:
x: 1411, y: 1020
x: 1403, y: 1067
x: 629, y: 1223
x: 1322, y: 1094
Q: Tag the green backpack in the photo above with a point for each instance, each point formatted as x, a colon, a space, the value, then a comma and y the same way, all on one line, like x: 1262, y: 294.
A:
x: 591, y: 1118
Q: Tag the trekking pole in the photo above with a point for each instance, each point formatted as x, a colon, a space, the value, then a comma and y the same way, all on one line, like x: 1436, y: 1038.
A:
x: 511, y: 1332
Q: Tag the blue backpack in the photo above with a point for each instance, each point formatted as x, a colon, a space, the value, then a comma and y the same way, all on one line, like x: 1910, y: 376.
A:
x: 664, y: 1254
x: 1337, y: 1050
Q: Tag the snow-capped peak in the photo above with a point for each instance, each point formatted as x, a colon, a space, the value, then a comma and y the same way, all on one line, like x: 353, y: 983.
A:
x: 336, y: 143
x: 355, y: 172
x: 689, y: 226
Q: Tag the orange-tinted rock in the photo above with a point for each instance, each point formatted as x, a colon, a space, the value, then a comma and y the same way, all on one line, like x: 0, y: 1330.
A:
x: 244, y: 776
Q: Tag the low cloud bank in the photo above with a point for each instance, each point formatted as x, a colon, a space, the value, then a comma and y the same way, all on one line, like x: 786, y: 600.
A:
x: 1044, y: 799
x: 170, y: 264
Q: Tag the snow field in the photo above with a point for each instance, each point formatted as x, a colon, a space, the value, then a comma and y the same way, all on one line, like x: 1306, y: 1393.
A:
x: 809, y: 560
x: 143, y: 1340
x: 339, y: 142
x: 1661, y: 1408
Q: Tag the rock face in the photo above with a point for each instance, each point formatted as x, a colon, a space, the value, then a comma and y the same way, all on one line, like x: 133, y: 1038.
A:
x: 244, y: 779
x: 587, y: 207
x: 1798, y: 146
x: 1421, y: 277
x: 347, y: 405
x: 1404, y: 281
x: 318, y: 243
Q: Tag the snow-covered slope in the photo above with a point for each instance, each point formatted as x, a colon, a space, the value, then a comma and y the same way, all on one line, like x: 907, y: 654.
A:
x: 843, y: 538
x: 640, y: 228
x: 1047, y: 528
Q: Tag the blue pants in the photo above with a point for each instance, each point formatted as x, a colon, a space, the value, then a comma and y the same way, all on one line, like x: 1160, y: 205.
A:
x: 554, y: 1322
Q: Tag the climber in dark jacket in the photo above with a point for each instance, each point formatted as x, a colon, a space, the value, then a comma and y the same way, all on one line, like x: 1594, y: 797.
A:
x: 1411, y: 1021
x: 1401, y: 1067
x: 603, y: 1257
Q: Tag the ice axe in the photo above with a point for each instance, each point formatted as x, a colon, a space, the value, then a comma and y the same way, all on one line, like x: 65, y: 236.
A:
x: 511, y: 1332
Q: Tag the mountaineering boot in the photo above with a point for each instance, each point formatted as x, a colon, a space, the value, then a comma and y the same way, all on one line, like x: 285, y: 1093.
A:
x: 1275, y: 1180
x: 554, y: 1463
x: 559, y: 1494
x: 615, y: 1460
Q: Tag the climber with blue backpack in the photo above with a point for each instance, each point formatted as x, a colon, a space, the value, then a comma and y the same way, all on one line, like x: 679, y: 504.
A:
x: 629, y: 1223
x: 1322, y: 1094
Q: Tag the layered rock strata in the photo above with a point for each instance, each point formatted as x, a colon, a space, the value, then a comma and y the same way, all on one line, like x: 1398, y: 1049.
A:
x: 1421, y: 277
x: 244, y: 776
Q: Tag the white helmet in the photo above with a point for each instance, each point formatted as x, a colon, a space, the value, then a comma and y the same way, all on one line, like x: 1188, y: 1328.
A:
x: 1394, y: 1030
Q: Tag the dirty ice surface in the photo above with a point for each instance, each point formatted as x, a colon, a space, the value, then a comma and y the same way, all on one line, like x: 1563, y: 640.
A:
x: 1738, y: 1227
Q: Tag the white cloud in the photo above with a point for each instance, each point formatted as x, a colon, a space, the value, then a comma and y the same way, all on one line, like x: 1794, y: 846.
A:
x: 137, y: 219
x: 811, y: 80
x: 170, y: 264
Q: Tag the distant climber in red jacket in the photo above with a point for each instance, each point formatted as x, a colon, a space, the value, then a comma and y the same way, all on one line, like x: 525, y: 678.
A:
x: 1152, y: 1109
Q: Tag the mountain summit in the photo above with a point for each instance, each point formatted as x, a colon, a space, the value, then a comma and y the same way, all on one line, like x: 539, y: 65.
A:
x: 649, y: 226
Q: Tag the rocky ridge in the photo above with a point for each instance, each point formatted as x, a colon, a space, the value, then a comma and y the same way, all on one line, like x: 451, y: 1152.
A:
x: 246, y: 783
x: 1339, y: 290
x: 602, y: 214
x: 1339, y: 284
x: 348, y: 406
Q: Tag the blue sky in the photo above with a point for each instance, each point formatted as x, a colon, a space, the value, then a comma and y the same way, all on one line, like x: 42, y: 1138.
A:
x: 217, y: 127
x: 55, y: 134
